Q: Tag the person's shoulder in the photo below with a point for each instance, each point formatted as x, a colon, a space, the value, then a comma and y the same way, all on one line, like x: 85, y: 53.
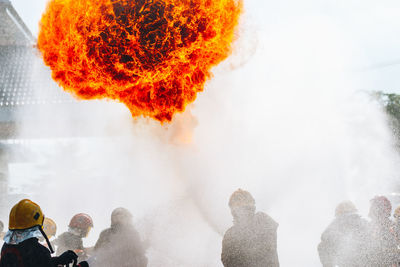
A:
x: 332, y: 229
x: 66, y: 237
x: 229, y: 231
x: 63, y: 235
x: 357, y: 219
x: 335, y: 222
x: 351, y: 222
x: 104, y: 237
x: 264, y: 218
x: 128, y: 231
x: 229, y: 235
x: 33, y: 243
x: 105, y: 232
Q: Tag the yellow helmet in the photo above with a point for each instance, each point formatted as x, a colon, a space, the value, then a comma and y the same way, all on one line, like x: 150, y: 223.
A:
x: 397, y: 212
x: 49, y: 227
x: 24, y: 215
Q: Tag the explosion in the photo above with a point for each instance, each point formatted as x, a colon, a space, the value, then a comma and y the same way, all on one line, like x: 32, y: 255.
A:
x: 152, y: 55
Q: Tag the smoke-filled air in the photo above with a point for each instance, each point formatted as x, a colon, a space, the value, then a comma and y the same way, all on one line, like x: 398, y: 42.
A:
x: 172, y: 106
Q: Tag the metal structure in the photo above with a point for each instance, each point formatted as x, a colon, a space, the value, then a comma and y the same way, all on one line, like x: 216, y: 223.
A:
x: 29, y: 96
x: 25, y: 82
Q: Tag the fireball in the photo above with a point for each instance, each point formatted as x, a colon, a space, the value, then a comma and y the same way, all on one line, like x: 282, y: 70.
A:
x: 152, y: 55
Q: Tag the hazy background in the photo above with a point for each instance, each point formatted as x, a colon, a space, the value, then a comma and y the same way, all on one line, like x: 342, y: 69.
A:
x: 287, y: 117
x: 373, y: 26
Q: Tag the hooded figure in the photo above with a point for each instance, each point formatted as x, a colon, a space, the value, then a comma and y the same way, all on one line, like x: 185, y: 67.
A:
x: 383, y: 249
x: 78, y: 228
x: 120, y: 245
x: 344, y: 241
x: 22, y: 247
x: 252, y: 240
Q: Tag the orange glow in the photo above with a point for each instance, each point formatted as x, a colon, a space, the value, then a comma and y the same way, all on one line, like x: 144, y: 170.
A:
x: 152, y: 55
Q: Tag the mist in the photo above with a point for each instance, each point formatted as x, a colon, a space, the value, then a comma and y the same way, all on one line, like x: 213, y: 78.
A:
x: 288, y: 117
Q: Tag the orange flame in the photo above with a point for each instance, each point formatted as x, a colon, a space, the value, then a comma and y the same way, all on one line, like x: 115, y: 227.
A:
x: 152, y: 55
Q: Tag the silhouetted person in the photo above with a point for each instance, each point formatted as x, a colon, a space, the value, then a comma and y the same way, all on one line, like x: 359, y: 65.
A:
x: 383, y: 250
x: 78, y: 228
x: 252, y: 240
x: 120, y: 245
x: 344, y: 241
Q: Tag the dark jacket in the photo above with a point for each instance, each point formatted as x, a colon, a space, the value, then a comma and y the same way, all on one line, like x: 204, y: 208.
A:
x: 29, y: 253
x: 120, y: 246
x: 253, y: 244
x: 344, y: 242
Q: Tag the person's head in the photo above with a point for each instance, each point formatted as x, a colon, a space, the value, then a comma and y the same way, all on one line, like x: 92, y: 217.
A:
x: 345, y: 208
x: 81, y: 224
x: 1, y: 226
x: 25, y: 215
x: 121, y: 216
x: 243, y: 205
x: 380, y: 208
x: 396, y: 214
x: 49, y: 227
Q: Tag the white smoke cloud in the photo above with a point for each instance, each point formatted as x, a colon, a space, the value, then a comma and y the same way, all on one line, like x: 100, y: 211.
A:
x: 291, y: 123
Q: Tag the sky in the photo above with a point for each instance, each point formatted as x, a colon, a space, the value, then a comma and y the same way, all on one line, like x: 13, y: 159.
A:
x: 373, y: 27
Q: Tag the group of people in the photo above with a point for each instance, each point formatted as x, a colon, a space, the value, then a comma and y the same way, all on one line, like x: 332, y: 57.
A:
x: 30, y: 241
x: 349, y: 241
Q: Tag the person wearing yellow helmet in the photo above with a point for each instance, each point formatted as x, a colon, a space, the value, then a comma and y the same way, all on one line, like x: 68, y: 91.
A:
x: 344, y: 241
x: 49, y: 227
x: 22, y: 247
x: 1, y: 230
x: 252, y: 240
x: 396, y: 214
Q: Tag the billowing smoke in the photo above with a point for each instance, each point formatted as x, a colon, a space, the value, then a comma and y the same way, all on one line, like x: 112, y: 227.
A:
x: 290, y: 123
